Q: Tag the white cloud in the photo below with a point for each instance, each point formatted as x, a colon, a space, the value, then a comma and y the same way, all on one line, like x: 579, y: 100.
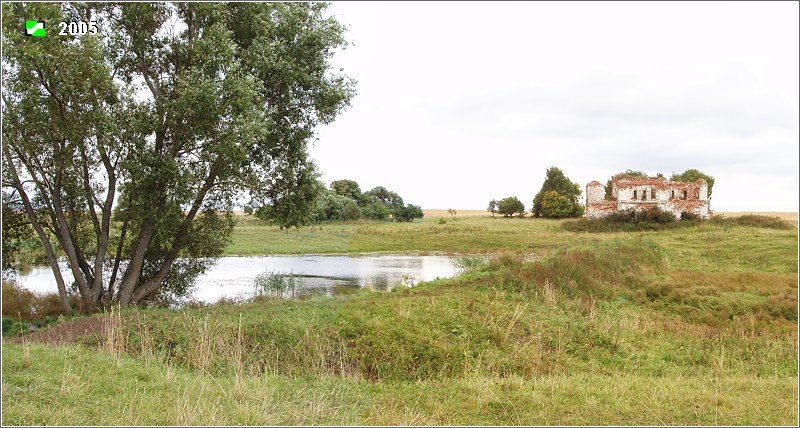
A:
x: 463, y: 102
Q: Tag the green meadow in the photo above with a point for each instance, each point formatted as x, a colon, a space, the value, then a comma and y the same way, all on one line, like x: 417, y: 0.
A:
x: 683, y: 326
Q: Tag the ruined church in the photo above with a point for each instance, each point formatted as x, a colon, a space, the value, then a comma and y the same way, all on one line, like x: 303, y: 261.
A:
x: 640, y: 194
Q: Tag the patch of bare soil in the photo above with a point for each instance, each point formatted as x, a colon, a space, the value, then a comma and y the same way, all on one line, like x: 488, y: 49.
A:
x: 78, y: 330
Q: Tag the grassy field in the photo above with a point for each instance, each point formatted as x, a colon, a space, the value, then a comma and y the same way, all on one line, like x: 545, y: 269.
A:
x: 680, y: 327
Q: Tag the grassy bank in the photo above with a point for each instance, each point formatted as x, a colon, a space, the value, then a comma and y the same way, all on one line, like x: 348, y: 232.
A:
x: 696, y: 326
x: 719, y: 246
x: 129, y: 392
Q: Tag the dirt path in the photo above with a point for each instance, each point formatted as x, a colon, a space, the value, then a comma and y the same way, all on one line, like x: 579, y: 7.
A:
x: 77, y: 330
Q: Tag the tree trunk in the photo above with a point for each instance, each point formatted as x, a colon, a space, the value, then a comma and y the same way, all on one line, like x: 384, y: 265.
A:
x: 48, y: 247
x: 134, y: 268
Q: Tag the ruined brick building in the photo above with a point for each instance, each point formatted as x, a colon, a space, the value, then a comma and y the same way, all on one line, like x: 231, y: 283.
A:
x: 672, y: 196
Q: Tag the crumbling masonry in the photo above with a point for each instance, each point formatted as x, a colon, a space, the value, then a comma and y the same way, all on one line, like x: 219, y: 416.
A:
x: 640, y: 194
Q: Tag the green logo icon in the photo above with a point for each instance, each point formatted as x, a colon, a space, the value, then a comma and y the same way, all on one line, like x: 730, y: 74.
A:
x: 34, y: 28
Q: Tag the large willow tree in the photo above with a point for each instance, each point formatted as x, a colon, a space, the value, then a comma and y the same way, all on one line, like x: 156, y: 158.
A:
x: 126, y: 149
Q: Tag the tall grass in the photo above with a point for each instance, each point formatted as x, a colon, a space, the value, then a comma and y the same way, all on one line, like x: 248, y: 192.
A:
x: 566, y: 312
x: 628, y: 223
x: 471, y: 263
x: 680, y: 327
x: 277, y: 284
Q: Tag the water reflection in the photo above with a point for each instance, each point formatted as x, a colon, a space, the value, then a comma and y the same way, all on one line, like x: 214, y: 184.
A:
x: 233, y: 277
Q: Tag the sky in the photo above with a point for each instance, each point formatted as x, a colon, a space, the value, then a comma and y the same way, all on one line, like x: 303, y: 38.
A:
x: 462, y: 102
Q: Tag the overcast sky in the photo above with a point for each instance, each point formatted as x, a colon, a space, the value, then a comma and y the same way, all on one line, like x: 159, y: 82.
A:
x: 462, y: 102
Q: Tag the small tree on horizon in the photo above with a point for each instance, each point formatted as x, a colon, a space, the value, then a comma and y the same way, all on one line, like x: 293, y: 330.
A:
x: 492, y: 207
x: 555, y: 181
x: 691, y: 175
x: 347, y: 188
x: 510, y: 206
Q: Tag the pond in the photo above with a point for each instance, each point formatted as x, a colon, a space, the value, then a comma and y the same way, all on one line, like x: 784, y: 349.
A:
x: 233, y: 277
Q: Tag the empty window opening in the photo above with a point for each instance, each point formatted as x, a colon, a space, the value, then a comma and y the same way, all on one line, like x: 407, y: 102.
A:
x: 672, y: 196
x: 634, y: 194
x: 652, y: 193
x: 684, y: 195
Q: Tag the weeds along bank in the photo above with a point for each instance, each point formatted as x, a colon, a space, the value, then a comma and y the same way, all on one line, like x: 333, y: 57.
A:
x: 579, y: 309
x: 724, y: 245
x: 614, y: 331
x: 688, y: 326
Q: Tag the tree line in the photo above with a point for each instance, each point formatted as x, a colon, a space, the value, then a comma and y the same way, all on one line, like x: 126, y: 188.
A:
x: 343, y: 200
x: 559, y: 196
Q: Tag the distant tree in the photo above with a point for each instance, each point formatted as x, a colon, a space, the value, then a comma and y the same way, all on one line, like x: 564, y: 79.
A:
x: 347, y: 188
x: 628, y: 174
x: 375, y: 211
x: 331, y: 206
x: 510, y: 206
x: 554, y: 205
x: 691, y: 175
x: 297, y: 207
x: 556, y: 181
x: 388, y: 198
x: 453, y: 213
x: 492, y: 207
x: 352, y: 211
x: 408, y: 213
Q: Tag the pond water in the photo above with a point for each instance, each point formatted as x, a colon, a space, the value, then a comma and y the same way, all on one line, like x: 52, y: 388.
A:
x: 233, y: 277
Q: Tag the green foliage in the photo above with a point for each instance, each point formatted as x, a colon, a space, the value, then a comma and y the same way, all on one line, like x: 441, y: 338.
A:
x: 752, y: 220
x: 347, y: 188
x: 692, y: 175
x: 628, y: 174
x: 375, y: 211
x: 380, y: 203
x: 553, y: 205
x: 277, y: 284
x: 472, y: 263
x: 331, y: 206
x: 232, y: 99
x: 564, y: 190
x: 352, y: 211
x: 16, y: 230
x: 652, y: 218
x: 492, y: 208
x: 408, y: 213
x: 702, y: 320
x: 22, y: 304
x: 380, y: 194
x: 510, y: 206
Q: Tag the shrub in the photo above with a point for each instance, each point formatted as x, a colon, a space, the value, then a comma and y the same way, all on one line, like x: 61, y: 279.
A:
x: 510, y: 206
x: 629, y: 220
x: 408, y: 213
x: 20, y: 303
x: 375, y: 211
x: 351, y: 211
x: 563, y: 196
x: 331, y: 206
x: 554, y: 205
x: 752, y: 220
